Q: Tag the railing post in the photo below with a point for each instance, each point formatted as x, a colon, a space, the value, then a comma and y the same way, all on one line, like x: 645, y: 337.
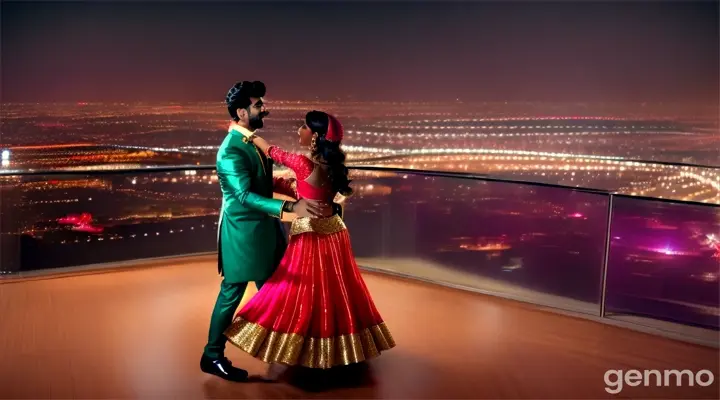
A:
x: 606, y: 256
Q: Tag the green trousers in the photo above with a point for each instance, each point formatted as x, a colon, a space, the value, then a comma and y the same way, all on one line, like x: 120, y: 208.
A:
x: 226, y: 305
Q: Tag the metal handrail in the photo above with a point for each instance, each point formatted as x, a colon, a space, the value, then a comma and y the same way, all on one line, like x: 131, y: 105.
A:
x: 608, y: 158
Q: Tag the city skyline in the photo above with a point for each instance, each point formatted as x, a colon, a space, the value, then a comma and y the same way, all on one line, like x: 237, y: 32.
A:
x: 397, y: 51
x: 622, y: 150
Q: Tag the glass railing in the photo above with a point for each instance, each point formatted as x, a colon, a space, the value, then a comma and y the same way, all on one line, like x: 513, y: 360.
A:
x: 74, y: 219
x: 636, y: 260
x: 544, y: 245
x: 664, y: 262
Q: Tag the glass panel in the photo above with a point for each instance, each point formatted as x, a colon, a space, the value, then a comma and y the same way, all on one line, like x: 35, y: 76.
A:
x: 60, y: 221
x: 664, y: 262
x: 533, y: 243
x: 539, y: 244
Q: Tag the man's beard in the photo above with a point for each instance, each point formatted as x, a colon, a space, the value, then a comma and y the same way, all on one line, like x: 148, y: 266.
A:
x: 256, y: 122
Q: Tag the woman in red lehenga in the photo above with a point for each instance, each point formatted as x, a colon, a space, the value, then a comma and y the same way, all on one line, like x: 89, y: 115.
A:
x: 315, y: 311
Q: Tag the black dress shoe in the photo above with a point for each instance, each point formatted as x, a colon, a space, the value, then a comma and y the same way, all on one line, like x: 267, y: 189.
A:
x: 223, y: 368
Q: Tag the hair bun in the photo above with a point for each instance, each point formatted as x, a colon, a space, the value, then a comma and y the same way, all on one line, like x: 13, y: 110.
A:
x: 231, y: 95
x: 234, y: 92
x: 244, y: 89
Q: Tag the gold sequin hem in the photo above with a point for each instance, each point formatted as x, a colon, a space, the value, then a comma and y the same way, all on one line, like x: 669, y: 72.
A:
x: 293, y: 349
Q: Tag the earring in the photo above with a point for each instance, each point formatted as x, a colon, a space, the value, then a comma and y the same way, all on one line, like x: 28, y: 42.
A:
x: 313, y: 143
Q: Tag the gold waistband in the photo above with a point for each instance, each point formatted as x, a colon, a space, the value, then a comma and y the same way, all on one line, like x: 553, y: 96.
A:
x: 323, y: 226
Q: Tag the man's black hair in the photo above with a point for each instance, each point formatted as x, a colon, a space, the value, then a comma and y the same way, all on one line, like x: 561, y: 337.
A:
x: 239, y: 96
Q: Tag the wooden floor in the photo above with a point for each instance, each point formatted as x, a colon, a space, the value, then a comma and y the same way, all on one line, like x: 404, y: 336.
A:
x: 139, y: 333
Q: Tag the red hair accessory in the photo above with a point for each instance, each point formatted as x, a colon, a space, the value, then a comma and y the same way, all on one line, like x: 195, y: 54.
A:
x: 335, y: 130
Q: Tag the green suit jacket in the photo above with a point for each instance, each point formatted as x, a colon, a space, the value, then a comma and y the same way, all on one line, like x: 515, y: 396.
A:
x: 251, y: 239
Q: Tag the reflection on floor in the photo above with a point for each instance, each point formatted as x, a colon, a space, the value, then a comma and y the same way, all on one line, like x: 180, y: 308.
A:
x: 139, y: 333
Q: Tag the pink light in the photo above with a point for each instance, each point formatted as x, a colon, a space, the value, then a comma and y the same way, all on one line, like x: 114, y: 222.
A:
x: 73, y: 219
x: 576, y: 215
x: 667, y: 251
x: 88, y: 228
x: 670, y: 252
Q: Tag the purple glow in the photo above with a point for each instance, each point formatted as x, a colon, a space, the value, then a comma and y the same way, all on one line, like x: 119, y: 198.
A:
x: 667, y: 268
x: 667, y: 251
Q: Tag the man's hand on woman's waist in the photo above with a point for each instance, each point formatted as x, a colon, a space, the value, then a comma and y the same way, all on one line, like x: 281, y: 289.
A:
x: 310, y: 208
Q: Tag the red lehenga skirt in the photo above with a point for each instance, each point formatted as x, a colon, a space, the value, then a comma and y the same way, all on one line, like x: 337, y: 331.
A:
x: 315, y: 311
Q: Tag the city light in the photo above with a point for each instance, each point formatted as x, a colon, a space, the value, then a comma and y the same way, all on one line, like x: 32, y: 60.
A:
x: 5, y: 158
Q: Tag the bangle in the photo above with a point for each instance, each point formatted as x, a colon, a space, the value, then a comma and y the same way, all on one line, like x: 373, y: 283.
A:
x: 289, y: 206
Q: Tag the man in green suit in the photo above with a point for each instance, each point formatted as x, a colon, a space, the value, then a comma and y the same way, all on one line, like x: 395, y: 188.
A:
x: 251, y: 240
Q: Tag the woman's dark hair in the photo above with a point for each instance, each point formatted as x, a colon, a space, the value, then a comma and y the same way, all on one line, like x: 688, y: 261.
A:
x: 328, y: 152
x: 239, y: 96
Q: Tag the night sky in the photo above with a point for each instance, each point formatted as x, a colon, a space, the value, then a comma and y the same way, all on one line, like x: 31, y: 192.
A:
x: 419, y: 51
